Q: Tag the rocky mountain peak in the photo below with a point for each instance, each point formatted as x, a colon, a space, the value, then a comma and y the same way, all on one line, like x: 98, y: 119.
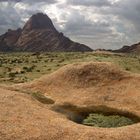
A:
x: 39, y: 35
x: 39, y: 21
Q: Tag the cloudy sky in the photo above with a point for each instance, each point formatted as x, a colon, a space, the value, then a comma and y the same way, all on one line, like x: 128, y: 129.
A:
x: 108, y: 24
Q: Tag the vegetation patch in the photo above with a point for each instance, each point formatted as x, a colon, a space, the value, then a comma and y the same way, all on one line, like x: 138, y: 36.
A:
x: 101, y: 120
x: 97, y: 116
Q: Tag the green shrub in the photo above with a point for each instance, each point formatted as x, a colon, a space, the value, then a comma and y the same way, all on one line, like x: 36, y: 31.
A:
x: 127, y: 69
x: 100, y: 120
x: 12, y: 74
x: 37, y: 70
x: 28, y: 69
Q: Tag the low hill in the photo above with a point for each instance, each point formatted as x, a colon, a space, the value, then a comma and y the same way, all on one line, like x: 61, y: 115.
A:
x: 39, y: 35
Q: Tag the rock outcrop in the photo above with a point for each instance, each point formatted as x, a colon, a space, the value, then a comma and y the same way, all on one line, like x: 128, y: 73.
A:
x: 8, y: 40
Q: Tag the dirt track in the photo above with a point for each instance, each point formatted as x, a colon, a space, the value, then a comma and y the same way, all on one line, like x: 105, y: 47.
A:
x: 73, y: 87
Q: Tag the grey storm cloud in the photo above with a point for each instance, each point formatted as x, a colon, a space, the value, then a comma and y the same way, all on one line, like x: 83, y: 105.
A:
x: 98, y: 3
x: 121, y: 24
x: 130, y: 11
x: 10, y: 0
x: 39, y: 1
x: 85, y: 26
x: 97, y: 23
x: 29, y: 1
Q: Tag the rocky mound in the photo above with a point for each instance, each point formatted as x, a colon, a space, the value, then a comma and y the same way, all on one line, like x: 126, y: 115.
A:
x: 130, y: 49
x: 82, y: 75
x: 74, y: 92
x: 38, y: 35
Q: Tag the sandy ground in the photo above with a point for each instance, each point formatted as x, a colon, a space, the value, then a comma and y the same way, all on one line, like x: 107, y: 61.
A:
x: 83, y: 86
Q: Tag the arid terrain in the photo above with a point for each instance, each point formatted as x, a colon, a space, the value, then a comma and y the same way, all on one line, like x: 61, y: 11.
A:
x: 61, y: 89
x: 69, y: 70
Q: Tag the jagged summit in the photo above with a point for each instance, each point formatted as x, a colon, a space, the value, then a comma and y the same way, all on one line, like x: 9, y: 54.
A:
x: 39, y: 21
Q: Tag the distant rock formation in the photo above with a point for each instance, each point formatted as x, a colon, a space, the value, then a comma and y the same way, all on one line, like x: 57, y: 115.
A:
x: 130, y: 49
x: 39, y: 35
